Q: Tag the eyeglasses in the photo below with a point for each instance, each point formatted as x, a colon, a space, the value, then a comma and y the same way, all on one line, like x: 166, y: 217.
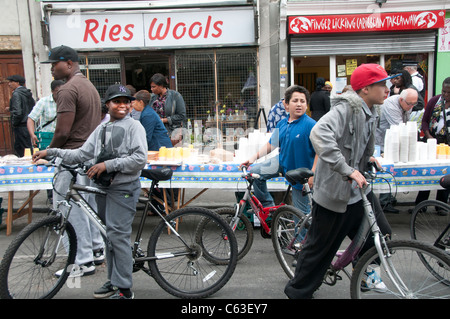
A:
x: 410, y: 103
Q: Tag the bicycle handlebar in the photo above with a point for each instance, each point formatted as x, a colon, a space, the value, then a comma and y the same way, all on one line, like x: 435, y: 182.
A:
x: 248, y: 174
x: 75, y: 167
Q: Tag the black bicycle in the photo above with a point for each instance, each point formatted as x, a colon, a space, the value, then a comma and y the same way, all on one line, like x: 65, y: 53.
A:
x: 174, y: 255
x: 430, y: 221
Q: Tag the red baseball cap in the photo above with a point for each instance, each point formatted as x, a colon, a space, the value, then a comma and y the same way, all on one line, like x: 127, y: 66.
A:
x: 367, y: 74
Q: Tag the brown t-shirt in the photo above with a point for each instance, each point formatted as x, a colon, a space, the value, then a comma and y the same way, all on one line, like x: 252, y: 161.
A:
x: 79, y: 95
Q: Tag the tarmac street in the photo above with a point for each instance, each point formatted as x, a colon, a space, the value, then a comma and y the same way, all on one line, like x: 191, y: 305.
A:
x: 257, y: 276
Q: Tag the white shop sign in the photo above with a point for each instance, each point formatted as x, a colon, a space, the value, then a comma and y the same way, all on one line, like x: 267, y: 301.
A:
x: 153, y: 30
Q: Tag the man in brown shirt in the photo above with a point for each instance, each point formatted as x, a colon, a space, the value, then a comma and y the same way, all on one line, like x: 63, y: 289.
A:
x: 78, y: 108
x: 78, y: 102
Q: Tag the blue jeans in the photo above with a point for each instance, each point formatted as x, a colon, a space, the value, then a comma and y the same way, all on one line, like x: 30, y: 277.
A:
x: 269, y: 169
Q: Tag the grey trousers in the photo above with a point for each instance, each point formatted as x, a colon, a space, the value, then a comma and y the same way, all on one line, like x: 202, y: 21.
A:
x: 117, y: 209
x: 88, y: 236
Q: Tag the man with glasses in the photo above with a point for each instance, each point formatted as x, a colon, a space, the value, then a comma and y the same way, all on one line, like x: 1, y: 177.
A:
x: 395, y: 110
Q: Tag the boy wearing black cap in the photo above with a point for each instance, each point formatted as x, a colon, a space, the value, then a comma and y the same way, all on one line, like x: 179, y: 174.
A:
x: 20, y: 105
x: 125, y: 138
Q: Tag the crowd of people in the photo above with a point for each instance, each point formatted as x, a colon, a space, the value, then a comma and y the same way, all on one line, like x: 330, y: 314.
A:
x: 336, y: 141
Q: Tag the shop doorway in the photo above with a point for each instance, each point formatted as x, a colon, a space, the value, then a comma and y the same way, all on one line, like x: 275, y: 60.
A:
x: 10, y: 64
x: 308, y: 68
x: 140, y: 67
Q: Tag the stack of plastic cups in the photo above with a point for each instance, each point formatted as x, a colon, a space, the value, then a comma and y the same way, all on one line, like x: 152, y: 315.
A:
x: 413, y: 155
x: 404, y: 143
x: 391, y: 144
x: 431, y: 149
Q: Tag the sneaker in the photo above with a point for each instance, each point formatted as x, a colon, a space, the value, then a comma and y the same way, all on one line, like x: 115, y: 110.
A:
x: 373, y: 281
x: 120, y: 295
x: 79, y: 271
x: 99, y: 256
x: 106, y: 290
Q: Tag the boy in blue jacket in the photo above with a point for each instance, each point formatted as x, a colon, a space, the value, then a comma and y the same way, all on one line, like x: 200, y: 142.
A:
x: 292, y: 136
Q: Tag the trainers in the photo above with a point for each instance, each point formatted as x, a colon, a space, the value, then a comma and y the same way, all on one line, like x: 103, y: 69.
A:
x: 119, y: 295
x: 373, y: 281
x: 79, y: 271
x: 99, y: 256
x: 106, y: 290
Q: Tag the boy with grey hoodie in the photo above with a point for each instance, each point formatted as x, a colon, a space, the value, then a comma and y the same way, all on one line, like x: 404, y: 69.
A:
x: 125, y: 138
x: 344, y: 140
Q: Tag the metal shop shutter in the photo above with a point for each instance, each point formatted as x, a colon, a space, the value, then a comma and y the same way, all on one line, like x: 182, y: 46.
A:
x: 364, y: 43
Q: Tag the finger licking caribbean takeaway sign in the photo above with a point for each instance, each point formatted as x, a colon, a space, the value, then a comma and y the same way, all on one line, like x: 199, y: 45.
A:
x: 399, y: 21
x: 153, y: 30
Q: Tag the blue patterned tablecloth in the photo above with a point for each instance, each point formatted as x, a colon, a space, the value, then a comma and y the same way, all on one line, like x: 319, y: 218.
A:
x: 223, y: 176
x: 404, y: 176
x: 408, y: 177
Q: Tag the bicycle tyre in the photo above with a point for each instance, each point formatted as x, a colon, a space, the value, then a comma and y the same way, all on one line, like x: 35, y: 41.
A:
x: 243, y: 232
x: 185, y: 272
x: 289, y: 227
x: 22, y: 275
x: 427, y: 224
x: 406, y: 260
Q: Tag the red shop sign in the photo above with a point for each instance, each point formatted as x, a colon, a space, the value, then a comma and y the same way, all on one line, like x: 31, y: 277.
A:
x: 423, y: 20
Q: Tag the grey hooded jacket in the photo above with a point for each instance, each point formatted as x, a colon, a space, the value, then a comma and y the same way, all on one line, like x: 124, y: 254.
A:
x: 126, y: 137
x: 344, y: 140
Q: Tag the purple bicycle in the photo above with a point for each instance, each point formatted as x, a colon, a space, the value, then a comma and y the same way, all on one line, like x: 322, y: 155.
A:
x: 407, y: 269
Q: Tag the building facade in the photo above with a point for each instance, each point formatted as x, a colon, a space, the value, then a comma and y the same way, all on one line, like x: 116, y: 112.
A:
x: 330, y: 38
x: 208, y: 50
x: 222, y: 55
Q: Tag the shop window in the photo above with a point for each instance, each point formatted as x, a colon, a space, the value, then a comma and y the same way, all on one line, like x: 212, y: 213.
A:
x: 346, y: 64
x: 219, y: 83
x: 102, y: 71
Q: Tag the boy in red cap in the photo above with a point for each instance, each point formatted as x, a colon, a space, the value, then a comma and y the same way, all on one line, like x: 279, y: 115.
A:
x: 344, y: 140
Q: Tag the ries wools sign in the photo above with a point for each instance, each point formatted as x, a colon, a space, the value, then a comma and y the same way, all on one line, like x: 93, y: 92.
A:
x: 157, y: 30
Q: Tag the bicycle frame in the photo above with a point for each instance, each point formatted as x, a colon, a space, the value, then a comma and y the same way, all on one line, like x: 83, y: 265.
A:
x: 439, y: 240
x: 369, y: 225
x: 262, y: 213
x: 73, y: 195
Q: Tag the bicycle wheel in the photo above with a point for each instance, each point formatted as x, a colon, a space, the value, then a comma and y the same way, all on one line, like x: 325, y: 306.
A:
x: 181, y: 267
x: 28, y: 268
x: 289, y: 228
x: 370, y: 280
x: 243, y: 232
x: 430, y: 222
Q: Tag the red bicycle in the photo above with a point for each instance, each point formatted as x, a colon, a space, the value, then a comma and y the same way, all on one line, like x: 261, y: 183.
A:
x: 240, y: 223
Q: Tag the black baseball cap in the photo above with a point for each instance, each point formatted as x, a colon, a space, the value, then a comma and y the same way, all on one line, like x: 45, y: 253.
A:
x: 117, y: 90
x: 16, y: 78
x: 62, y: 53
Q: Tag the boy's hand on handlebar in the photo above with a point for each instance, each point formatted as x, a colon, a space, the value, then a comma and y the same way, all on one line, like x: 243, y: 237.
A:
x: 39, y: 155
x: 97, y: 169
x: 358, y: 178
x: 311, y: 182
x: 245, y: 164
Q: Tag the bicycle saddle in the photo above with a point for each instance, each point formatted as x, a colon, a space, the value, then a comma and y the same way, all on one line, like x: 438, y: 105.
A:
x: 445, y: 181
x: 298, y: 175
x: 157, y: 174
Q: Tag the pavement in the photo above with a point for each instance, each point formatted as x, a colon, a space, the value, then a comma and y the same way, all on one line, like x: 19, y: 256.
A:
x: 257, y: 276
